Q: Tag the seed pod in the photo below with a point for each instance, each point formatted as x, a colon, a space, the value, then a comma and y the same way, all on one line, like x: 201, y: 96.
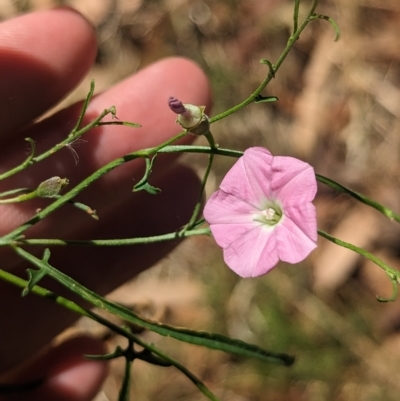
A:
x: 51, y: 187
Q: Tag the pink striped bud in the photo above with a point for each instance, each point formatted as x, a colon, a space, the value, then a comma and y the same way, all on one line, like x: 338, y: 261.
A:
x: 190, y: 117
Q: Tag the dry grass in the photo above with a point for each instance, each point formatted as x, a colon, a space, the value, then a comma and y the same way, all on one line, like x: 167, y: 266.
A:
x: 339, y: 109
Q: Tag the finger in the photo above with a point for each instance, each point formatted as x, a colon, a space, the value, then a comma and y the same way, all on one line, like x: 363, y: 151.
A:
x: 62, y: 374
x: 100, y: 269
x: 141, y: 98
x: 43, y: 56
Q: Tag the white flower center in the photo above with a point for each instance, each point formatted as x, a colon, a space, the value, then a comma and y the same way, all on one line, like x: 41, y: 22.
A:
x: 270, y: 214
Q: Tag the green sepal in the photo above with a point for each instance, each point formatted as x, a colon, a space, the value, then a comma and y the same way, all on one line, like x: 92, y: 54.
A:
x: 34, y: 276
x: 265, y: 99
x: 143, y: 184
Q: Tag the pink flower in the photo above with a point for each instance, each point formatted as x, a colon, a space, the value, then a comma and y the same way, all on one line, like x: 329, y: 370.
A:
x: 263, y: 213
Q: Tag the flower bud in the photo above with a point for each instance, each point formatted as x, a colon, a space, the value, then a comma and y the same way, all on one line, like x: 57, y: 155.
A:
x: 51, y: 187
x: 190, y: 117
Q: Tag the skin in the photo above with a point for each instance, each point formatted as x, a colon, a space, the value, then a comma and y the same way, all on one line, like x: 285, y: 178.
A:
x: 43, y: 56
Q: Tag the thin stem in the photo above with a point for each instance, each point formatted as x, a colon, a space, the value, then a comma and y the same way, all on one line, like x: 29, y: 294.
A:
x: 201, y: 149
x: 193, y: 378
x: 126, y: 382
x: 199, y: 202
x: 73, y: 136
x: 72, y: 306
x: 388, y: 270
x: 210, y: 340
x: 394, y: 275
x: 271, y: 73
x: 83, y: 184
x: 84, y: 108
x: 361, y: 198
x: 19, y: 198
x: 70, y: 138
x: 171, y: 149
x: 296, y: 15
x: 113, y: 242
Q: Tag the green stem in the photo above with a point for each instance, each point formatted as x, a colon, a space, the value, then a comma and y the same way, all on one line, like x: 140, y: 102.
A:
x: 362, y: 198
x: 394, y: 275
x: 210, y: 340
x: 84, y: 184
x: 83, y: 110
x: 73, y: 136
x: 112, y: 242
x: 201, y: 149
x: 20, y: 198
x: 296, y: 15
x: 72, y: 306
x: 166, y: 148
x: 291, y: 41
x: 199, y: 202
x: 126, y: 382
x: 388, y: 270
x: 324, y: 180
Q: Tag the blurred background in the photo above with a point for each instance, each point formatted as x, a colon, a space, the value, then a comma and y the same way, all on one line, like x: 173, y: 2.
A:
x: 339, y: 110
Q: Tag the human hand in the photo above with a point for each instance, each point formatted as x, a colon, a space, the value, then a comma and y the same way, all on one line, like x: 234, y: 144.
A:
x: 42, y: 57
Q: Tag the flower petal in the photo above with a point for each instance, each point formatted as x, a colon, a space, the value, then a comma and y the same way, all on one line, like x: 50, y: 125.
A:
x: 249, y: 178
x: 292, y: 243
x: 226, y: 234
x: 252, y: 254
x: 225, y: 208
x: 305, y: 217
x: 252, y: 246
x: 293, y: 181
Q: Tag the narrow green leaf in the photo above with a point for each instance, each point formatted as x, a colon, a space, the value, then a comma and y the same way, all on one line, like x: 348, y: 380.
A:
x: 210, y: 340
x: 203, y: 338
